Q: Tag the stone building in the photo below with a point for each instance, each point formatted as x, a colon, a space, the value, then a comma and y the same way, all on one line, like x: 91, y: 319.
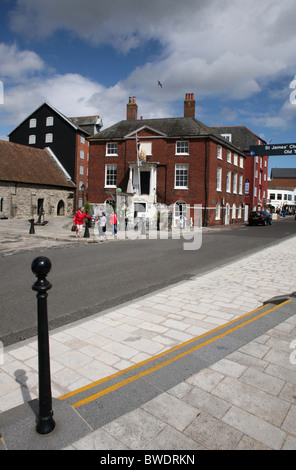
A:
x: 32, y: 180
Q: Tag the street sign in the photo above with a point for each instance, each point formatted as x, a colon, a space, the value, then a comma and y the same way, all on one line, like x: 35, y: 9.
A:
x: 276, y: 149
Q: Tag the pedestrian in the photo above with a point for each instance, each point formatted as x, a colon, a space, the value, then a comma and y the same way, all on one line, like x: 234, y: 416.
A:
x: 102, y: 225
x: 78, y: 221
x: 113, y: 221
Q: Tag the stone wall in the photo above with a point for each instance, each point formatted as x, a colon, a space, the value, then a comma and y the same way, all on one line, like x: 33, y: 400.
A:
x: 23, y: 200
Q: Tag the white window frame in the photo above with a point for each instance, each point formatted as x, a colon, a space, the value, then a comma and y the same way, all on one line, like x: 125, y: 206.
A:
x: 240, y: 184
x: 219, y: 152
x: 82, y: 154
x: 32, y: 123
x: 182, y: 147
x: 146, y: 147
x: 32, y: 139
x: 219, y: 179
x: 227, y: 137
x: 234, y: 184
x: 48, y: 138
x: 181, y: 167
x: 228, y: 181
x: 82, y: 139
x: 112, y: 149
x: 239, y: 212
x: 49, y: 121
x: 218, y: 211
x: 81, y: 170
x: 228, y: 156
x: 235, y: 159
x: 233, y: 210
x: 241, y: 162
x: 108, y: 175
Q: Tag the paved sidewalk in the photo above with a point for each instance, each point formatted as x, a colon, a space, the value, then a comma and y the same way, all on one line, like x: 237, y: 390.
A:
x: 244, y: 398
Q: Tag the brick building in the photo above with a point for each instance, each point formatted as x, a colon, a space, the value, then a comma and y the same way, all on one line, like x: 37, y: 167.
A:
x: 256, y: 186
x: 183, y: 162
x: 282, y: 189
x: 66, y: 137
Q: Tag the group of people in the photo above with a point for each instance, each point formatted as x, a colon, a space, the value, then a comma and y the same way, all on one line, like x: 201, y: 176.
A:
x: 101, y: 220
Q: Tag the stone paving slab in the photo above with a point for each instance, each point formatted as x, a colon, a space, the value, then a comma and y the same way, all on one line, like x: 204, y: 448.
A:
x: 102, y: 345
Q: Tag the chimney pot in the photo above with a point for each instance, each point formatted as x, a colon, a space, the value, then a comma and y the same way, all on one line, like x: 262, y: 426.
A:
x: 189, y: 105
x: 132, y: 109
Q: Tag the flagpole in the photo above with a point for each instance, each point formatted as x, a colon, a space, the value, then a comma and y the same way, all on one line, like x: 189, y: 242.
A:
x: 138, y: 163
x: 137, y: 147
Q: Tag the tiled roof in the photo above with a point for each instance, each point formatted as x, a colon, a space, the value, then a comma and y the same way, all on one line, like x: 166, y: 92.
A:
x: 170, y: 127
x: 242, y: 137
x: 23, y: 164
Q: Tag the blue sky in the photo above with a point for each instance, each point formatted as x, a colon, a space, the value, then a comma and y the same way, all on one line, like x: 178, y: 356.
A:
x: 84, y: 58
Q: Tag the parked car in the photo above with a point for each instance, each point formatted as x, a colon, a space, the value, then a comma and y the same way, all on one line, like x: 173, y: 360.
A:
x: 260, y: 217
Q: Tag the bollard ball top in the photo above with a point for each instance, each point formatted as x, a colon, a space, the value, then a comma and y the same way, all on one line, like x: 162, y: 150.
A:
x: 41, y: 266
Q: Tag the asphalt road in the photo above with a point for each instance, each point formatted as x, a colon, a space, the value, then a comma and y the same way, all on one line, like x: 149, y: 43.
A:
x: 90, y: 278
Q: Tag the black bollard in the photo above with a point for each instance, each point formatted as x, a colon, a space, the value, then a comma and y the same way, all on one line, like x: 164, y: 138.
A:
x: 86, y: 230
x: 45, y: 424
x: 32, y: 230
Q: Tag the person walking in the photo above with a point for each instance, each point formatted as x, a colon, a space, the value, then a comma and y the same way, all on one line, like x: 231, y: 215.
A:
x: 102, y: 225
x: 78, y: 221
x: 113, y: 221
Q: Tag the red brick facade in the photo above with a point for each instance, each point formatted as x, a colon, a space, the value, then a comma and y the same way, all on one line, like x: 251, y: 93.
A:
x: 81, y: 169
x: 198, y: 156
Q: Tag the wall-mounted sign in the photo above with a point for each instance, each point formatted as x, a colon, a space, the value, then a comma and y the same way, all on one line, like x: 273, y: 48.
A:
x: 247, y: 187
x: 276, y: 149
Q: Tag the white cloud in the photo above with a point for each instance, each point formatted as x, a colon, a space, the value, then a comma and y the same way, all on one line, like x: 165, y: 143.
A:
x: 228, y: 50
x: 16, y: 63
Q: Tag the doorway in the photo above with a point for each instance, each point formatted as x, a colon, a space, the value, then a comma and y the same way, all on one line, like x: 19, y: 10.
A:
x: 145, y: 182
x: 61, y: 208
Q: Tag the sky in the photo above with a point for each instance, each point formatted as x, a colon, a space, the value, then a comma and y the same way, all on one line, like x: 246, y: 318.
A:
x: 87, y: 58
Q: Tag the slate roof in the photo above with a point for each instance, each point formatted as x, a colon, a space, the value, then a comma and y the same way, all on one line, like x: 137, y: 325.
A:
x: 23, y: 164
x: 170, y: 127
x: 242, y: 137
x: 88, y: 123
x: 74, y: 121
x: 283, y: 173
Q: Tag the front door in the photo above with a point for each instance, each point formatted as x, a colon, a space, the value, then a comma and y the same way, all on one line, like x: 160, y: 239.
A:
x: 145, y: 182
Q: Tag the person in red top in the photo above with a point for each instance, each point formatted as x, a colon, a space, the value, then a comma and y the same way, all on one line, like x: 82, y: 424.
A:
x: 113, y: 219
x: 78, y: 221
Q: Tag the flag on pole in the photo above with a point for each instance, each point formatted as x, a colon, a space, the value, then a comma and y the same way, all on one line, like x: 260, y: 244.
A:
x: 138, y: 145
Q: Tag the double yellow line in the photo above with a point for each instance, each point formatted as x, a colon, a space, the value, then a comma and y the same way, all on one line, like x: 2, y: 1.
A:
x: 168, y: 361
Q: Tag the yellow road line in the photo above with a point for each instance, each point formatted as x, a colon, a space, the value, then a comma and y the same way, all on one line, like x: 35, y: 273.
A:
x: 168, y: 361
x: 139, y: 364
